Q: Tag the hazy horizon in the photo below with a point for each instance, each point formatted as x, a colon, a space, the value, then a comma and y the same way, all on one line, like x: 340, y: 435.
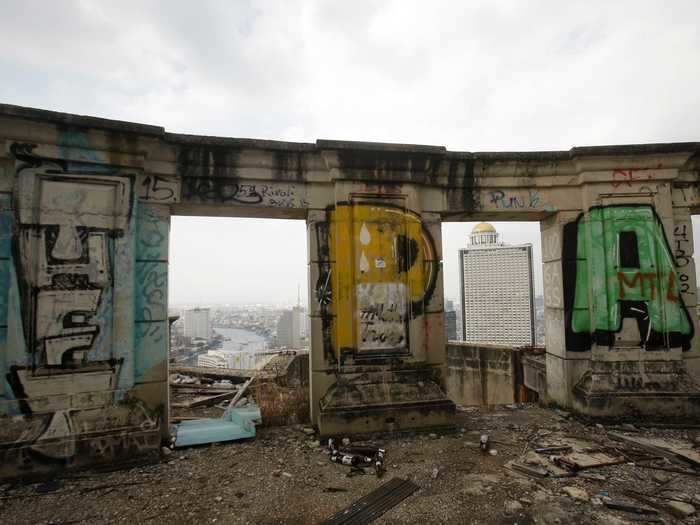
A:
x: 206, y: 270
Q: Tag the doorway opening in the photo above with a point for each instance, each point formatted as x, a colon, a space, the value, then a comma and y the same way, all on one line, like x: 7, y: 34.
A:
x: 238, y: 309
x: 494, y: 312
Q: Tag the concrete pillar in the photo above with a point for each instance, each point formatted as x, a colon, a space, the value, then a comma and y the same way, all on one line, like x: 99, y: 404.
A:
x: 563, y: 367
x: 377, y: 348
x: 619, y: 287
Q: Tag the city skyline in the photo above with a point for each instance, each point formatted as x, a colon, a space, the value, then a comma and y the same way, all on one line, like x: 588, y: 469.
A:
x: 219, y: 278
x: 225, y: 276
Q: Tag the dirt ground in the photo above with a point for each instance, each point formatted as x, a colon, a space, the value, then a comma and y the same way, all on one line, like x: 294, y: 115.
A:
x: 285, y: 476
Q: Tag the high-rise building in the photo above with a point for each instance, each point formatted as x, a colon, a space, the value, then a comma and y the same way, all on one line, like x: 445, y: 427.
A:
x: 497, y: 290
x: 450, y: 321
x: 197, y: 323
x: 289, y: 328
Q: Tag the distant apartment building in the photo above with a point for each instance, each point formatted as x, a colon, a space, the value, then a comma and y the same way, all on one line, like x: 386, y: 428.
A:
x: 497, y: 290
x: 450, y: 316
x: 290, y: 327
x: 197, y: 324
x: 213, y: 359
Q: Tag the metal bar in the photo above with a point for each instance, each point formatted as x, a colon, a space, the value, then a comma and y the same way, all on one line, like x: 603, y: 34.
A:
x: 374, y: 504
x: 391, y: 500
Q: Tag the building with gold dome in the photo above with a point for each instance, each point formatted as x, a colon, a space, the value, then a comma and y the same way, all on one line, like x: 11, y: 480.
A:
x: 497, y: 290
x: 483, y: 233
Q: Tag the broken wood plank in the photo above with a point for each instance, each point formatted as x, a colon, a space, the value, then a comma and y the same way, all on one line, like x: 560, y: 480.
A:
x: 212, y: 400
x: 240, y: 392
x: 553, y: 450
x: 580, y: 461
x: 628, y: 507
x: 669, y: 450
x: 646, y: 500
x: 202, y: 388
x: 659, y: 496
x: 674, y: 470
x: 538, y: 472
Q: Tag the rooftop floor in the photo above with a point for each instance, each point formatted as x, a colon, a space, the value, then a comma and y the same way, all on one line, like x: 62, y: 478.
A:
x: 284, y: 476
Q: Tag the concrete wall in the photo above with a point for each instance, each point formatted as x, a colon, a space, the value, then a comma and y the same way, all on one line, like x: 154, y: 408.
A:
x: 84, y: 214
x: 480, y: 374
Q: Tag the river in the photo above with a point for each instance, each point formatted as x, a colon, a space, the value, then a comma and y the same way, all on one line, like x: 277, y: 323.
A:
x: 241, y: 340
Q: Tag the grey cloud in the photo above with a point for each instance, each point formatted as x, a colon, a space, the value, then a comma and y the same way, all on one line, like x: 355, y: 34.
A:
x: 491, y: 75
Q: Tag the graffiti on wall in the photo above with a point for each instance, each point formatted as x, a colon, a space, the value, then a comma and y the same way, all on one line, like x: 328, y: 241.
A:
x: 516, y: 200
x: 69, y: 357
x: 618, y: 265
x: 227, y: 191
x: 380, y: 271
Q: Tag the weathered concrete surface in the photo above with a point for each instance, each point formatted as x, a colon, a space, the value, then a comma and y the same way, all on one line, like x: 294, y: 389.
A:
x: 480, y: 374
x: 459, y: 484
x: 84, y: 218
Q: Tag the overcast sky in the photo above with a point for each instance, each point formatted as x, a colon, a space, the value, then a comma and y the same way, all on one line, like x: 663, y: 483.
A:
x: 492, y: 75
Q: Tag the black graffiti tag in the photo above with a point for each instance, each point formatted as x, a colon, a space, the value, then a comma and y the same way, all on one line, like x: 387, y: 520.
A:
x: 155, y: 189
x: 221, y: 190
x: 680, y: 239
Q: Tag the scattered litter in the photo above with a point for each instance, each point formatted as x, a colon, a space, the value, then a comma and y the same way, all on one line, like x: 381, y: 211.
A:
x: 286, y: 474
x: 435, y: 473
x: 576, y: 493
x: 493, y: 452
x: 484, y: 444
x: 358, y: 457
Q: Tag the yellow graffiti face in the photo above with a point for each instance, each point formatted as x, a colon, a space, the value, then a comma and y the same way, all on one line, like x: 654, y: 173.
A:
x: 383, y: 263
